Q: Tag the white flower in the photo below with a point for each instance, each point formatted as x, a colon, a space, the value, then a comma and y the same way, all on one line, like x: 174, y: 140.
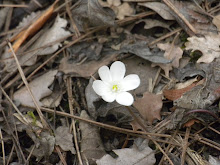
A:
x: 114, y: 86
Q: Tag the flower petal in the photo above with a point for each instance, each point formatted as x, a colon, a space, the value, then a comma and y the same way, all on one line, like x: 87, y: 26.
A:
x: 130, y: 82
x: 117, y: 70
x: 125, y: 98
x: 110, y: 97
x: 104, y: 74
x: 100, y: 87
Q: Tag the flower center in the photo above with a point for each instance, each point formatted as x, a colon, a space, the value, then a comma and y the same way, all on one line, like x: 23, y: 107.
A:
x: 115, y: 88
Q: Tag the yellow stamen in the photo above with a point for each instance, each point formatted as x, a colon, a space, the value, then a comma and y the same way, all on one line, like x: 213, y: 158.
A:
x: 115, y: 88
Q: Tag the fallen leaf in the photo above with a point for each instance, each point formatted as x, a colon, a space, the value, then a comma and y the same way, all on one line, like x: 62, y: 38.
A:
x: 3, y: 15
x: 39, y: 88
x: 33, y: 28
x: 64, y: 139
x: 124, y: 10
x: 149, y: 106
x: 191, y: 122
x: 138, y: 154
x: 91, y: 143
x: 53, y: 34
x: 172, y: 53
x: 151, y: 23
x: 189, y: 10
x: 141, y: 49
x: 174, y: 94
x: 208, y: 45
x: 160, y: 8
x: 214, y: 160
x: 91, y: 12
x: 87, y: 69
x: 216, y: 21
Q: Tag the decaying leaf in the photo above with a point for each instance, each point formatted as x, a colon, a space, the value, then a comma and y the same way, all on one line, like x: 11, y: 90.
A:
x: 39, y: 88
x: 142, y: 50
x: 208, y: 45
x: 91, y: 143
x: 44, y: 144
x: 149, y: 106
x: 139, y: 154
x: 214, y: 160
x: 33, y: 28
x: 191, y: 122
x: 86, y: 69
x: 91, y: 12
x: 151, y: 23
x: 172, y: 53
x: 174, y: 94
x: 64, y: 139
x: 189, y: 10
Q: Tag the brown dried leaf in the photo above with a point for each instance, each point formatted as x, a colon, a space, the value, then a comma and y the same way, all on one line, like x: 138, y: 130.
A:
x: 149, y: 106
x: 33, y: 28
x: 216, y: 21
x: 173, y: 53
x: 191, y: 122
x: 208, y: 45
x: 174, y: 94
x: 86, y: 69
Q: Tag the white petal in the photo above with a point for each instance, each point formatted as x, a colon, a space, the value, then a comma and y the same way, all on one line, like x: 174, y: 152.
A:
x: 130, y: 82
x: 104, y: 74
x: 117, y: 70
x: 110, y: 97
x: 125, y: 98
x: 100, y: 88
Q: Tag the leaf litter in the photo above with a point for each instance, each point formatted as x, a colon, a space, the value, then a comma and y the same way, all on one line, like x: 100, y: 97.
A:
x: 173, y: 46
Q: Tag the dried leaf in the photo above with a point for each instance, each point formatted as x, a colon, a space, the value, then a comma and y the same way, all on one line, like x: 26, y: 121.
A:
x: 216, y: 21
x: 172, y: 53
x: 39, y: 88
x: 86, y: 69
x: 174, y: 94
x: 64, y: 139
x: 3, y: 15
x: 33, y: 28
x: 90, y: 11
x: 149, y: 106
x: 138, y: 154
x: 141, y: 49
x: 91, y: 143
x: 151, y: 23
x: 214, y: 160
x: 208, y: 45
x: 123, y: 10
x: 191, y: 122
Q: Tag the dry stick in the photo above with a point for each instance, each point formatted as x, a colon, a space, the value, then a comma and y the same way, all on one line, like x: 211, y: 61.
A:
x: 70, y: 100
x: 167, y: 148
x: 3, y: 146
x: 71, y: 19
x: 12, y: 5
x: 14, y: 106
x: 10, y: 155
x: 185, y: 145
x: 14, y: 137
x: 150, y: 137
x: 106, y: 126
x: 165, y: 36
x: 45, y: 124
x: 29, y: 156
x: 180, y: 15
x: 60, y: 155
x: 214, y: 130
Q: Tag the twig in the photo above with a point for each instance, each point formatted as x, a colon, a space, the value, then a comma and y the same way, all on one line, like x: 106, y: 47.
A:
x: 3, y: 146
x: 13, y: 5
x: 70, y: 99
x: 60, y: 155
x: 45, y: 124
x: 150, y: 137
x: 181, y: 19
x: 185, y: 145
x: 165, y: 36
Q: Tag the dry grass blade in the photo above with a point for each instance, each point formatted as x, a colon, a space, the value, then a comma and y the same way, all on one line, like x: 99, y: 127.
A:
x: 3, y: 147
x: 45, y: 124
